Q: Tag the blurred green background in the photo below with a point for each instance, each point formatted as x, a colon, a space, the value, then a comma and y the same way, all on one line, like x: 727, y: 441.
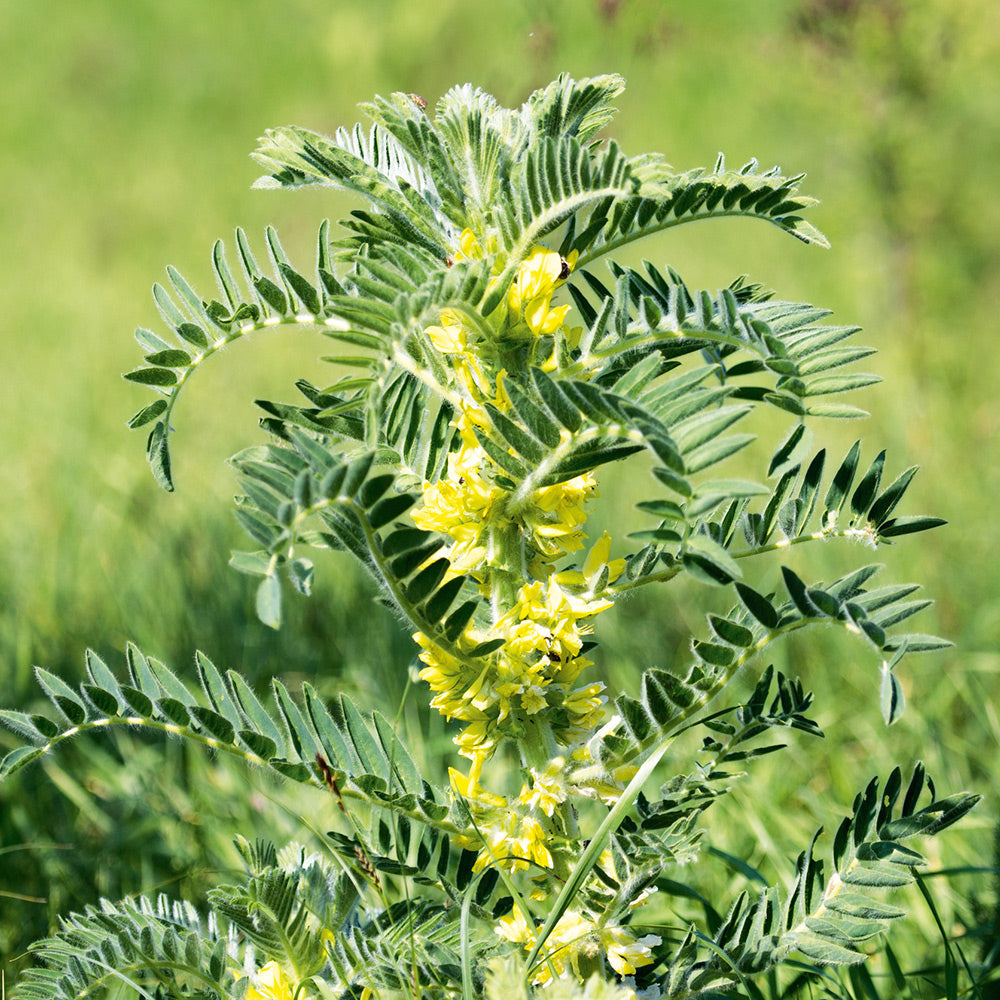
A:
x: 124, y: 129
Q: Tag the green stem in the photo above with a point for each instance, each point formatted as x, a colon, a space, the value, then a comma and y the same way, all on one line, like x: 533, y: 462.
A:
x: 504, y: 560
x: 662, y: 576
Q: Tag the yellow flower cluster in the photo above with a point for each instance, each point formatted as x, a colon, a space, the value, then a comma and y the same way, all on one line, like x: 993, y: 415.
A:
x: 460, y: 505
x: 533, y: 671
x: 576, y: 937
x: 540, y: 660
x: 527, y: 689
x: 512, y: 834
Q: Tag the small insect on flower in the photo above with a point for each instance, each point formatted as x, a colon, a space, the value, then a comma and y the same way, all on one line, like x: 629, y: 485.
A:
x: 418, y: 101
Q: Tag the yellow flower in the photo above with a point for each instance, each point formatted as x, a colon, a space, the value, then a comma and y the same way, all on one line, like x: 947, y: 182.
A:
x: 529, y: 841
x: 470, y: 248
x: 505, y: 837
x: 572, y: 938
x: 556, y: 516
x: 459, y: 505
x: 548, y: 787
x: 585, y: 706
x: 469, y: 788
x: 575, y: 937
x: 514, y: 927
x: 529, y: 298
x: 533, y: 699
x: 269, y: 983
x: 449, y: 337
x: 478, y: 736
x: 625, y: 952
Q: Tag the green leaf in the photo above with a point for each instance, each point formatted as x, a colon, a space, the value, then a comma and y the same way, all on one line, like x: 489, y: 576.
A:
x: 915, y: 642
x: 268, y: 602
x: 908, y: 525
x: 357, y: 473
x: 715, y: 451
x: 868, y: 487
x: 485, y: 648
x: 730, y: 488
x: 174, y: 710
x: 664, y: 509
x: 260, y: 530
x: 713, y: 653
x: 152, y: 376
x: 395, y: 751
x: 193, y: 334
x: 217, y: 690
x: 886, y: 502
x: 104, y: 701
x: 836, y: 411
x: 365, y: 746
x: 389, y: 509
x: 708, y: 561
x: 258, y: 744
x: 731, y: 632
x: 149, y: 341
x: 673, y: 481
x: 35, y: 728
x: 251, y: 563
x: 797, y: 592
x: 538, y: 423
x: 214, y: 724
x: 556, y: 401
x: 168, y: 681
x: 99, y: 673
x: 786, y: 401
x: 158, y: 456
x: 17, y: 759
x: 456, y: 622
x: 411, y: 559
x: 298, y: 730
x: 254, y: 711
x: 439, y: 602
x: 138, y: 701
x: 172, y: 358
x: 500, y: 455
x: 829, y: 384
x: 876, y: 876
x: 855, y: 904
x: 374, y: 488
x: 427, y: 581
x: 824, y: 952
x: 66, y: 700
x: 758, y: 606
x: 301, y: 572
x: 843, y: 479
x: 824, y: 601
x: 891, y: 698
x: 147, y: 413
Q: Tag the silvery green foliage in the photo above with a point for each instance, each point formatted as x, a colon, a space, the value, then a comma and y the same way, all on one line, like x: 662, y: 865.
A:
x: 670, y: 372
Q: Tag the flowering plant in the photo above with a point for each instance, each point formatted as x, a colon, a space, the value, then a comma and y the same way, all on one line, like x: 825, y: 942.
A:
x: 493, y: 368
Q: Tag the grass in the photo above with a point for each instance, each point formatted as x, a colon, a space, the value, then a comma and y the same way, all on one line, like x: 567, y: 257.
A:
x: 124, y: 131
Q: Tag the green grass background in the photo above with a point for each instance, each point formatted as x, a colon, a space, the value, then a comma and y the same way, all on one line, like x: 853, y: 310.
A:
x: 124, y: 129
